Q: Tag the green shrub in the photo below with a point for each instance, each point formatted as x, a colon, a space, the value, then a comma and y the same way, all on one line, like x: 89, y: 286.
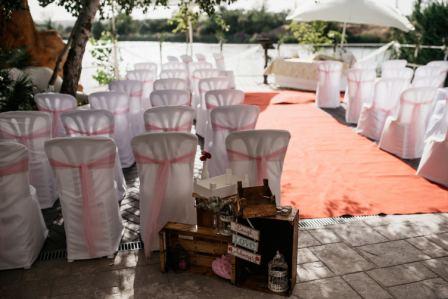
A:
x: 16, y: 94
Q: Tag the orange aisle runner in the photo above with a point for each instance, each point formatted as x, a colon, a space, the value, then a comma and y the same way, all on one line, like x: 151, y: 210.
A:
x: 331, y: 171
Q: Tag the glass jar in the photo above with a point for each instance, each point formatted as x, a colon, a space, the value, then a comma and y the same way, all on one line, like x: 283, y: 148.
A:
x: 226, y: 216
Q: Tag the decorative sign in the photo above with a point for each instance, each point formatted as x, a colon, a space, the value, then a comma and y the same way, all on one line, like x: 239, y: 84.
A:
x: 245, y: 242
x: 245, y: 230
x: 244, y: 254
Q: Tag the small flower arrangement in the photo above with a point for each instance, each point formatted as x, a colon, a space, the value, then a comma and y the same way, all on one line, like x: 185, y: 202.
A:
x: 205, y: 156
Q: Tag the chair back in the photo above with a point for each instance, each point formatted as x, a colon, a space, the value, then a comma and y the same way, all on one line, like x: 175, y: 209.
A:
x: 223, y: 97
x: 165, y: 163
x: 147, y: 77
x: 170, y: 84
x: 173, y: 65
x: 225, y: 120
x: 387, y: 94
x: 259, y: 154
x: 55, y: 103
x: 328, y: 85
x: 398, y: 73
x: 174, y: 73
x: 84, y: 169
x: 88, y: 123
x: 169, y: 119
x: 170, y: 97
x: 360, y: 86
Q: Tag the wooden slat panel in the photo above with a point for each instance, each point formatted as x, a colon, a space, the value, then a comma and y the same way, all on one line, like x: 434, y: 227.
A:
x: 211, y: 247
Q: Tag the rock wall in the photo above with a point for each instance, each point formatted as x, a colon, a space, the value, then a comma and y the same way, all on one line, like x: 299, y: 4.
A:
x: 19, y: 31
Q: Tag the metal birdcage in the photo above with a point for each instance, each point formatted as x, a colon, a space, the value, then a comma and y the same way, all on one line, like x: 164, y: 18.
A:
x: 278, y: 274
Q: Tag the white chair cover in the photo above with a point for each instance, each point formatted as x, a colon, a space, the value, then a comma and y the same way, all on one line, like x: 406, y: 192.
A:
x: 438, y: 112
x: 398, y: 73
x: 217, y: 98
x: 95, y: 123
x: 137, y: 104
x: 174, y: 66
x: 172, y: 58
x: 328, y: 85
x: 386, y: 102
x: 205, y: 85
x: 23, y: 231
x: 360, y: 87
x: 429, y: 76
x: 259, y: 154
x: 433, y: 164
x: 147, y: 77
x: 169, y: 119
x: 403, y: 135
x: 165, y: 168
x: 186, y: 58
x: 55, y: 103
x: 32, y: 129
x: 197, y: 75
x: 230, y: 76
x: 393, y: 64
x: 440, y: 63
x: 170, y: 98
x: 150, y: 66
x: 200, y: 57
x: 84, y: 168
x: 219, y: 61
x: 225, y: 120
x: 170, y: 84
x: 118, y: 104
x: 174, y: 73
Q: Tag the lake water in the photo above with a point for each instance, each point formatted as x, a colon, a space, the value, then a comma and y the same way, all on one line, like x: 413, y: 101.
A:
x: 246, y: 60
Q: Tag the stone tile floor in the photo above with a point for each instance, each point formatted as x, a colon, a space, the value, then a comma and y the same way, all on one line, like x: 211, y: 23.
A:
x: 380, y: 257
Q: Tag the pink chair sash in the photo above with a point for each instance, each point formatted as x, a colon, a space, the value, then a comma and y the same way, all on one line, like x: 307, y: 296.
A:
x: 16, y: 167
x: 121, y: 111
x: 218, y: 127
x: 88, y: 192
x: 24, y: 139
x: 181, y: 128
x: 137, y: 93
x: 56, y: 115
x: 163, y: 173
x: 260, y: 160
x: 105, y: 131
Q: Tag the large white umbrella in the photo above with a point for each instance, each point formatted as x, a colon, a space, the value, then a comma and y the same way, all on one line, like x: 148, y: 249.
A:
x: 371, y: 12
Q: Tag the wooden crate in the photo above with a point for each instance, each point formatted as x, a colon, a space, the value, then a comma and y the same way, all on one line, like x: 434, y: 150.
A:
x: 203, y: 245
x: 276, y: 233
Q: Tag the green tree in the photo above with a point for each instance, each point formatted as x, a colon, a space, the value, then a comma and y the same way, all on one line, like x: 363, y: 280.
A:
x: 97, y: 29
x: 430, y: 19
x: 85, y: 11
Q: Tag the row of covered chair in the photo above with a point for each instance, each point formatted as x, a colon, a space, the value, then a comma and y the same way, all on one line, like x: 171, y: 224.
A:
x: 85, y: 171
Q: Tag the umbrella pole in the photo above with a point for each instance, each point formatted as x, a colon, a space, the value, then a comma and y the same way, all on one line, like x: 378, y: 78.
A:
x: 190, y: 36
x: 343, y: 33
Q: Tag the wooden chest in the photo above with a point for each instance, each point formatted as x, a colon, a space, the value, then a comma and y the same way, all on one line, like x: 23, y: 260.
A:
x: 276, y: 233
x: 203, y: 245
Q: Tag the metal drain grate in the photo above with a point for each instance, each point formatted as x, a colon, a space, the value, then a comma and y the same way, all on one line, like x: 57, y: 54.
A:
x: 138, y: 245
x: 60, y: 254
x: 321, y: 222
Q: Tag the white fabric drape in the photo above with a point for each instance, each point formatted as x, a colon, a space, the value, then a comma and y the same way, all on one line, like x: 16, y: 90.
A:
x: 170, y: 84
x: 169, y: 119
x: 170, y: 97
x: 32, y: 129
x: 259, y: 154
x: 385, y: 102
x: 225, y: 120
x: 134, y: 90
x: 165, y: 169
x: 403, y: 135
x: 84, y: 168
x: 95, y: 123
x: 23, y: 231
x: 328, y: 85
x: 360, y: 87
x: 118, y: 104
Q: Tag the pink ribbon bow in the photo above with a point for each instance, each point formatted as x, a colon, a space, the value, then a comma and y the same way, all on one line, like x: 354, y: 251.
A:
x: 88, y: 192
x: 56, y: 115
x: 16, y: 167
x: 137, y: 93
x: 106, y: 131
x: 24, y: 139
x: 121, y: 111
x: 163, y: 172
x: 218, y: 127
x: 260, y: 160
x: 181, y: 128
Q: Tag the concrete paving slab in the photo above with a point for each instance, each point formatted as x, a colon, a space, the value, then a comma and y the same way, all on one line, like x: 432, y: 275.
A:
x: 324, y: 236
x: 428, y: 247
x: 402, y: 274
x: 312, y: 271
x: 366, y: 286
x: 335, y: 288
x: 304, y: 255
x: 439, y: 266
x: 433, y: 288
x: 306, y: 239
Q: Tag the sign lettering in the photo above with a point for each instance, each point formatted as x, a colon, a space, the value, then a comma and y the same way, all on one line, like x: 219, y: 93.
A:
x: 246, y: 231
x: 244, y: 254
x: 245, y: 242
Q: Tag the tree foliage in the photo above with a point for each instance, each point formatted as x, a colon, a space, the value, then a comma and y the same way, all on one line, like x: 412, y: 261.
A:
x: 430, y: 19
x: 317, y: 32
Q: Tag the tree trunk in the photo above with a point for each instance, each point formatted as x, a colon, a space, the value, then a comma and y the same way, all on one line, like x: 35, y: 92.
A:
x: 81, y: 34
